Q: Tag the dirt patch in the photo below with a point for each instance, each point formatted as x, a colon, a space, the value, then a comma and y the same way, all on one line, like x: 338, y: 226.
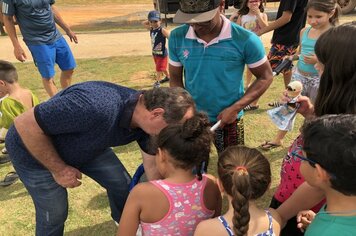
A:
x: 91, y: 14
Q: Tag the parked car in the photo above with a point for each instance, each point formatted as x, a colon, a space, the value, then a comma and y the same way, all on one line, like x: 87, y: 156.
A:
x: 171, y: 6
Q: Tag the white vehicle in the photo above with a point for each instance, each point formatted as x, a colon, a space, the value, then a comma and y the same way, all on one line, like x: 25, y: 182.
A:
x: 171, y: 6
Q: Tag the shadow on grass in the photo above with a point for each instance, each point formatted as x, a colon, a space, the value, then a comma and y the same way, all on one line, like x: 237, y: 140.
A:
x: 98, y: 202
x: 105, y: 228
x: 13, y: 191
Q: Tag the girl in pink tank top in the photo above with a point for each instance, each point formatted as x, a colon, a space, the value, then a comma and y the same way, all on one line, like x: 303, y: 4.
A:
x: 175, y: 204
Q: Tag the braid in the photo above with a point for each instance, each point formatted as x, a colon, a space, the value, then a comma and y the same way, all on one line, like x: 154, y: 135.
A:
x: 240, y: 201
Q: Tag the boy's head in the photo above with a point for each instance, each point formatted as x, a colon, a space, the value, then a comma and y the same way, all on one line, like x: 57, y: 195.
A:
x: 8, y: 73
x: 154, y: 16
x: 330, y: 148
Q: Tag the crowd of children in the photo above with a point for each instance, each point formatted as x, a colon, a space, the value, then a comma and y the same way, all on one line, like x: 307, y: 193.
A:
x: 322, y: 158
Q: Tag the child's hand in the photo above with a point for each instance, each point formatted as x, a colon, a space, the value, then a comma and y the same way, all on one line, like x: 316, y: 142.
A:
x: 304, y: 219
x: 255, y: 10
x: 310, y: 59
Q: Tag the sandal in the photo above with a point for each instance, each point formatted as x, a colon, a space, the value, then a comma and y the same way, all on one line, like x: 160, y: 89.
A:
x: 4, y: 159
x: 9, y: 179
x: 4, y: 151
x: 275, y: 104
x: 251, y: 107
x: 268, y: 145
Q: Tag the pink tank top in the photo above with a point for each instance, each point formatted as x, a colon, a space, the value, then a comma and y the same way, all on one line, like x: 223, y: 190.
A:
x: 186, y: 210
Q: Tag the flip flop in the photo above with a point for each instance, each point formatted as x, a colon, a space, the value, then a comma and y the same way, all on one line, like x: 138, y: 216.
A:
x: 268, y: 145
x: 9, y: 179
x: 4, y: 159
x: 275, y: 104
x: 251, y: 107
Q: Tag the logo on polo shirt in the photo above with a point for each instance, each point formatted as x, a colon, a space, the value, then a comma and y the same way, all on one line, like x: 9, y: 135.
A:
x: 185, y: 54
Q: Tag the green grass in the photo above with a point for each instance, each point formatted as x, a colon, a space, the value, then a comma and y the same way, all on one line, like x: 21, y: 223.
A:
x: 89, y: 213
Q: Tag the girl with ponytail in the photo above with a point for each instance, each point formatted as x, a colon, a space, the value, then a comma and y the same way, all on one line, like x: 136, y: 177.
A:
x: 244, y: 176
x: 175, y: 204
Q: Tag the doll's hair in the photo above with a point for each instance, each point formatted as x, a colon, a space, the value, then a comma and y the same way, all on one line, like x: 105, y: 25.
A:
x: 326, y: 6
x: 336, y: 50
x: 188, y: 144
x: 8, y: 72
x: 245, y: 175
x: 244, y: 9
x: 330, y: 141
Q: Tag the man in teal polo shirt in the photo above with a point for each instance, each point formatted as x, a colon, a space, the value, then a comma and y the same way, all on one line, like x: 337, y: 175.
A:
x: 212, y: 52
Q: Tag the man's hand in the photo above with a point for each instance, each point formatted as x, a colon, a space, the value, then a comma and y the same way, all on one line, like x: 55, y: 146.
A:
x: 20, y: 54
x: 227, y: 116
x: 68, y: 177
x: 304, y: 219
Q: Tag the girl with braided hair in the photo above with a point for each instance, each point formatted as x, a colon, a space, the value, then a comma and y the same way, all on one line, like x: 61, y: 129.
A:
x: 244, y: 176
x: 175, y: 204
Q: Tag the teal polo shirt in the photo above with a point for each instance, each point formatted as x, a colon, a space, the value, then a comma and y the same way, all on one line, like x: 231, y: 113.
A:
x: 214, y: 71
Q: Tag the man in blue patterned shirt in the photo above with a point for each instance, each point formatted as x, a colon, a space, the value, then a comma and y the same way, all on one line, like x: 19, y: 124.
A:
x: 51, y: 145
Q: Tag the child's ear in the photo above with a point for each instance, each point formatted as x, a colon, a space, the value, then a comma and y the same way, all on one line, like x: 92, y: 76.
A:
x: 322, y: 174
x: 2, y: 83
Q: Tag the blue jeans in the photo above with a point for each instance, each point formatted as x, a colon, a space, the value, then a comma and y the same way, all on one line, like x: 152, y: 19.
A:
x: 51, y: 199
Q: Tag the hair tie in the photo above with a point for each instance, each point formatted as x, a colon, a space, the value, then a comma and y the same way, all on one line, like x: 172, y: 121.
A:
x: 241, y: 170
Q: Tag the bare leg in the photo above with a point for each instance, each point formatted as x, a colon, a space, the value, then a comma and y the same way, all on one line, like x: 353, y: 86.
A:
x: 279, y: 137
x: 66, y: 78
x: 165, y: 72
x: 49, y: 86
x: 159, y: 75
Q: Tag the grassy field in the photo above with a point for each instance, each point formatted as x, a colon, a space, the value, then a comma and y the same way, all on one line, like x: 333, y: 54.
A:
x: 89, y: 213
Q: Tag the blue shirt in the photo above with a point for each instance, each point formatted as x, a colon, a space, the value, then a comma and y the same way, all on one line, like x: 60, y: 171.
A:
x: 214, y: 71
x: 83, y: 121
x: 307, y: 49
x: 35, y: 19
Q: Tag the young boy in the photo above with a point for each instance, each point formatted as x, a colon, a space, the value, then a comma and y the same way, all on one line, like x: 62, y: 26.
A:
x: 329, y: 164
x: 158, y: 41
x: 18, y: 100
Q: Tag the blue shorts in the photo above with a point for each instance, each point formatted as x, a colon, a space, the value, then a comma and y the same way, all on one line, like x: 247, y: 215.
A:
x: 46, y: 55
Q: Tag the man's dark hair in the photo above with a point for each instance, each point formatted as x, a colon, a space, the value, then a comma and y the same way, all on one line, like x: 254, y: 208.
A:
x: 330, y: 141
x: 174, y: 101
x: 8, y: 72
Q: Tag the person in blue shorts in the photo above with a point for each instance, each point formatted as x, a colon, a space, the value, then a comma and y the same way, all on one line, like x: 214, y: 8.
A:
x: 37, y: 21
x: 51, y: 145
x: 212, y: 52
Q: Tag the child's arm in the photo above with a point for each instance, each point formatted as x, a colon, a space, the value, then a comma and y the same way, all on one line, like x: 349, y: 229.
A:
x: 213, y: 193
x: 146, y: 24
x: 234, y: 17
x: 262, y: 20
x: 130, y: 217
x: 295, y: 57
x: 284, y: 19
x: 166, y: 32
x: 304, y: 219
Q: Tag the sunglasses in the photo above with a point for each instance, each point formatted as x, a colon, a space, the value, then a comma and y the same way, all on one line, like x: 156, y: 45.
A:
x: 296, y: 155
x: 311, y: 162
x: 289, y: 88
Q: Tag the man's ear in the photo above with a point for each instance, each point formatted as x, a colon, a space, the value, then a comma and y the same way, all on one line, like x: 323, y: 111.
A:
x: 156, y: 113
